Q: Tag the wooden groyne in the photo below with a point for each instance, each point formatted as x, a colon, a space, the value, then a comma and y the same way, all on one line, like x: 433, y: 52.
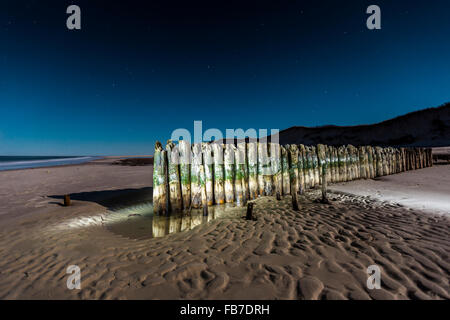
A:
x: 193, y: 176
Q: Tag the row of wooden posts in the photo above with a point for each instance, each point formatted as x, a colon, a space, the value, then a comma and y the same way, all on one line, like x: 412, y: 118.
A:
x: 189, y: 176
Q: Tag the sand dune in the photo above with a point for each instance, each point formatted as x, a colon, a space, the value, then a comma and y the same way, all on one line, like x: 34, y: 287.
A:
x: 320, y: 252
x: 425, y: 128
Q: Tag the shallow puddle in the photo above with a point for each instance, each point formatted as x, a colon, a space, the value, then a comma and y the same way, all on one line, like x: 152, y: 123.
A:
x: 138, y: 222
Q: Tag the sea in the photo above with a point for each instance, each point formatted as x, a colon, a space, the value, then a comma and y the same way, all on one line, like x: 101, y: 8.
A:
x: 24, y: 162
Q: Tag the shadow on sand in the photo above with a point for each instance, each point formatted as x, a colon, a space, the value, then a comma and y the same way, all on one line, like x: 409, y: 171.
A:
x: 111, y: 199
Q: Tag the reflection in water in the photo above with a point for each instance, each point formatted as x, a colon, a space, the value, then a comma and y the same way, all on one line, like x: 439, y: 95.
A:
x: 138, y: 222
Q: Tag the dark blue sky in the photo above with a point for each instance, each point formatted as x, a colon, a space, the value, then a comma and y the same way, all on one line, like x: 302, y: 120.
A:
x: 140, y: 69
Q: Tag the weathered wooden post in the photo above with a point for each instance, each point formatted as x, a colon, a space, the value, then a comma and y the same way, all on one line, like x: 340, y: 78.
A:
x: 249, y: 215
x: 367, y: 162
x: 401, y: 159
x: 219, y: 173
x: 425, y: 157
x: 306, y: 179
x: 336, y: 165
x: 378, y: 163
x: 348, y: 164
x: 300, y: 170
x: 66, y: 200
x: 422, y: 158
x: 264, y: 169
x: 392, y: 159
x: 229, y: 173
x: 275, y: 163
x: 173, y: 161
x: 242, y: 146
x: 292, y: 158
x: 332, y: 163
x: 419, y: 158
x: 204, y: 191
x: 355, y: 163
x: 168, y: 208
x: 159, y: 180
x: 185, y: 172
x: 285, y: 170
x: 239, y: 179
x: 323, y: 164
x: 319, y: 163
x: 208, y: 163
x: 408, y: 159
x: 372, y: 169
x: 416, y: 158
x: 385, y: 163
x: 312, y: 175
x: 396, y: 161
x: 430, y: 157
x: 253, y: 169
x: 328, y: 162
x: 362, y: 169
x: 196, y: 187
x: 374, y: 161
x: 354, y: 158
x: 341, y: 164
x: 405, y: 159
x: 413, y: 158
x: 315, y: 160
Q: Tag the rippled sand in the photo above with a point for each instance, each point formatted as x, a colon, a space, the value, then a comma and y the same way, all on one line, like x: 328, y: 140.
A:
x: 320, y: 252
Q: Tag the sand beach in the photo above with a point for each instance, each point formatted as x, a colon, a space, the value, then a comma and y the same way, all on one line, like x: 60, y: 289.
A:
x: 319, y: 252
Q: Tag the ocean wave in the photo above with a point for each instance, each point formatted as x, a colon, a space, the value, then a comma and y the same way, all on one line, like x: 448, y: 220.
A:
x: 24, y: 164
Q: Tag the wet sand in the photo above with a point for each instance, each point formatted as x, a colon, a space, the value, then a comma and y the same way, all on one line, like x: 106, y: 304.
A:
x: 320, y: 252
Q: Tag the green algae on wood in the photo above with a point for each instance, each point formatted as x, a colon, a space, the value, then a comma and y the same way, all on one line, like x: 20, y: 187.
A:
x: 185, y: 172
x: 173, y: 157
x: 219, y: 173
x: 285, y: 171
x: 196, y: 187
x: 252, y: 153
x: 242, y: 147
x: 209, y: 172
x: 300, y: 168
x: 264, y: 170
x: 159, y: 180
x: 239, y: 179
x: 302, y: 154
x: 229, y: 172
x: 276, y: 167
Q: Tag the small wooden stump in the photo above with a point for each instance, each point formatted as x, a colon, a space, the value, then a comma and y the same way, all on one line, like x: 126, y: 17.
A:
x: 295, y: 205
x: 278, y: 196
x: 249, y: 215
x: 293, y: 176
x: 66, y: 200
x: 324, y: 185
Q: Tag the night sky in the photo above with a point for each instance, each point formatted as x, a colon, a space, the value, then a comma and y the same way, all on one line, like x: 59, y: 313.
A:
x: 140, y: 69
